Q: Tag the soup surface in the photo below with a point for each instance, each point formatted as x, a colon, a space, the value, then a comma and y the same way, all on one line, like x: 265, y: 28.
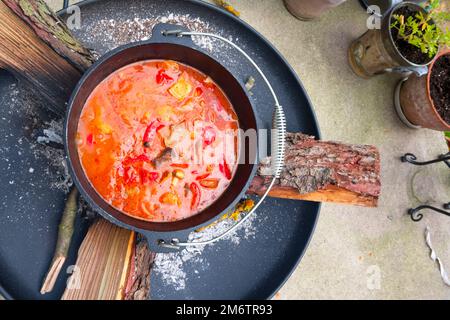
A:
x: 158, y: 140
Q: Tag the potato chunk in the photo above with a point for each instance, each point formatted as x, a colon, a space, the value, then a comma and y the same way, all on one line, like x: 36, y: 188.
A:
x: 181, y: 89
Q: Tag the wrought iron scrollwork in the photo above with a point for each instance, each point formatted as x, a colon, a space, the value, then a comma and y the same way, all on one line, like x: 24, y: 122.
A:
x: 416, y: 215
x: 411, y: 158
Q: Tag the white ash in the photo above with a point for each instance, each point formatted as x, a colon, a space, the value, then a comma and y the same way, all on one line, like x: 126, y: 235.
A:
x: 58, y: 170
x: 51, y: 135
x: 31, y: 108
x: 111, y: 33
x: 171, y: 266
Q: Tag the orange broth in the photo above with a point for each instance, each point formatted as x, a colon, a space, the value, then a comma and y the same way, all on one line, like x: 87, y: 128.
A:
x: 158, y: 140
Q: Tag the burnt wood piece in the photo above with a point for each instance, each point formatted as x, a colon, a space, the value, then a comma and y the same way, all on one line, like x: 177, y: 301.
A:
x: 324, y: 171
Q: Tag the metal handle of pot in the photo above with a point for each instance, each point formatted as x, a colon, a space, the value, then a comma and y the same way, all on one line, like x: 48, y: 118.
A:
x: 278, y: 139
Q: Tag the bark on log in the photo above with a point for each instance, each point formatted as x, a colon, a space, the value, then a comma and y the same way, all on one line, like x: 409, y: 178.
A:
x: 325, y: 171
x: 138, y: 284
x: 38, y: 48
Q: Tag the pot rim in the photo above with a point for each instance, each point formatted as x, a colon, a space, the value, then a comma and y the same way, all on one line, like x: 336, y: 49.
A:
x: 430, y: 70
x: 137, y: 224
x: 386, y: 26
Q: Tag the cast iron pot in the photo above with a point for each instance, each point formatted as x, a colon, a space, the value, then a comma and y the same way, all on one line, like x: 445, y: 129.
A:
x: 182, y: 50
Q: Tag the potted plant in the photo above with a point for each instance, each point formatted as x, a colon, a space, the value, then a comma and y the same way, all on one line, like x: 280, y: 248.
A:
x: 424, y: 101
x: 308, y: 10
x: 408, y: 40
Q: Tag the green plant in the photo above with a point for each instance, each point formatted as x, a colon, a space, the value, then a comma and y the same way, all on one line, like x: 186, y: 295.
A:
x: 421, y: 30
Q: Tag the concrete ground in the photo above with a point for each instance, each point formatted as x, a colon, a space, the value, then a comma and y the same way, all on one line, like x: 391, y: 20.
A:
x: 352, y: 247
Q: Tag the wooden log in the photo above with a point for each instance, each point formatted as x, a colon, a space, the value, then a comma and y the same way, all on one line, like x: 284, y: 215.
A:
x: 325, y: 172
x: 103, y: 264
x: 113, y: 264
x: 38, y: 49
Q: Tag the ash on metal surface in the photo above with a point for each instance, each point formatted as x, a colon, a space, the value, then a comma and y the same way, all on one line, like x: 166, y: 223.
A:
x: 171, y: 266
x: 107, y: 34
x: 42, y: 136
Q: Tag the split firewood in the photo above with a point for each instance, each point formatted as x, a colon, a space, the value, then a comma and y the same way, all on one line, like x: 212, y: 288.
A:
x: 103, y: 265
x: 113, y: 264
x: 38, y: 48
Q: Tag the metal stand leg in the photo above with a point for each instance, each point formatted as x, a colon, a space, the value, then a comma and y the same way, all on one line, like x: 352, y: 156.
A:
x: 415, y: 212
x: 417, y: 216
x: 411, y: 158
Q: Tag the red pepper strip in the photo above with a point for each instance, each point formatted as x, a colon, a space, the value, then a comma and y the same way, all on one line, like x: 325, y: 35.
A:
x: 203, y: 176
x: 140, y: 158
x: 151, y: 131
x: 147, y: 176
x: 225, y: 169
x: 153, y: 176
x: 198, y: 92
x: 162, y: 76
x: 209, y: 136
x: 195, y: 195
x: 179, y: 165
x: 90, y: 139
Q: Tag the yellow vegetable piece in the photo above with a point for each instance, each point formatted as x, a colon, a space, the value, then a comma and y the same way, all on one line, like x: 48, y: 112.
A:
x: 178, y: 173
x: 104, y: 127
x: 165, y: 113
x: 170, y: 198
x: 181, y: 89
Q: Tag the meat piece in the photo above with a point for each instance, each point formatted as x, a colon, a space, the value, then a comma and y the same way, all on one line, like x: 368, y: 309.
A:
x: 164, y: 156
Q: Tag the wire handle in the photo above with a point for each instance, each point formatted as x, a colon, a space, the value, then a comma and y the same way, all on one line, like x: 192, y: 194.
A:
x: 277, y: 141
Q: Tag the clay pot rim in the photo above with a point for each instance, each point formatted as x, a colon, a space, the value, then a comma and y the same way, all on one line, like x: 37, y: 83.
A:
x: 430, y: 69
x: 391, y: 38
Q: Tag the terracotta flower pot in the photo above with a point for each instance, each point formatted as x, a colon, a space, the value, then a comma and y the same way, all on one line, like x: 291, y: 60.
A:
x: 416, y: 104
x: 375, y: 51
x: 310, y: 9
